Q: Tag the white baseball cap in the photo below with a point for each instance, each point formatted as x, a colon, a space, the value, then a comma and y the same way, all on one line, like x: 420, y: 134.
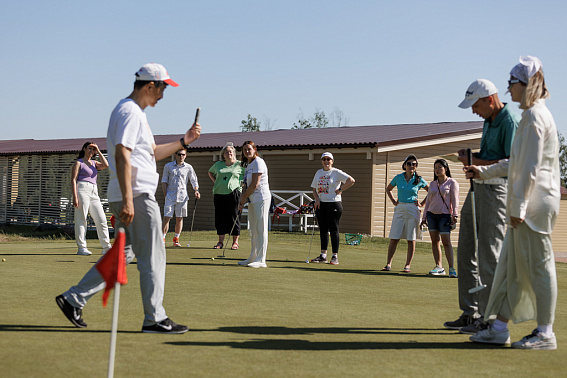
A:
x: 154, y: 72
x: 329, y: 155
x: 480, y: 88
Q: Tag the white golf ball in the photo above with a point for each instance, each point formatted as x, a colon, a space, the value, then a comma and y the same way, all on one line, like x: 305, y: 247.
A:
x: 212, y: 258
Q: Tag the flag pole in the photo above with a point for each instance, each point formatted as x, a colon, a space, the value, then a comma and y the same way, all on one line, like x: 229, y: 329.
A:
x: 114, y: 330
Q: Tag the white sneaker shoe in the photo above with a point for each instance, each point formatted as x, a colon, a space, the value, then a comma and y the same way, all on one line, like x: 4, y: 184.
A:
x: 490, y: 336
x: 104, y: 250
x: 257, y: 264
x: 244, y: 262
x: 84, y: 252
x: 536, y: 340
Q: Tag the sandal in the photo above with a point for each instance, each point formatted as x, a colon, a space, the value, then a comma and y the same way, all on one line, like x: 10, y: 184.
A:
x: 234, y: 246
x: 406, y: 270
x: 386, y: 268
x: 218, y: 246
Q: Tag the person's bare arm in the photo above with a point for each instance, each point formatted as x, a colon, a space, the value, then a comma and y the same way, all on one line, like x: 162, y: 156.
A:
x: 162, y: 151
x: 124, y: 174
x: 74, y: 174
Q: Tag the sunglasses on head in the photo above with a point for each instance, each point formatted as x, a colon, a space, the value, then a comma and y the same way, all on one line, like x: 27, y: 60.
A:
x: 326, y: 159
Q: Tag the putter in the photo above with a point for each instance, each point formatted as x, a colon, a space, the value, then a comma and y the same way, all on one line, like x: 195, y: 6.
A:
x: 311, y: 243
x: 479, y: 285
x: 197, y: 115
x: 232, y: 229
x: 192, y: 220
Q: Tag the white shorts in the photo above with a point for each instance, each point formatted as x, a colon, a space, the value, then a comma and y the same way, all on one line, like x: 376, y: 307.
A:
x: 180, y: 209
x: 405, y: 222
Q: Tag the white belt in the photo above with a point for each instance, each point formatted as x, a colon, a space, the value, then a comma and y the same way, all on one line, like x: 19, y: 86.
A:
x: 494, y: 181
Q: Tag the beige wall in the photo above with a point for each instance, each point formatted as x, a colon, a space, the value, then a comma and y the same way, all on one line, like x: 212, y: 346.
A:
x: 389, y: 164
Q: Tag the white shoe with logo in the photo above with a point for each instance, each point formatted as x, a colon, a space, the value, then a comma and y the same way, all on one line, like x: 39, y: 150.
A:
x: 536, y: 340
x: 84, y: 252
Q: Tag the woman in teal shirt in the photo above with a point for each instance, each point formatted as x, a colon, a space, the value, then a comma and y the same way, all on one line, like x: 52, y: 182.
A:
x: 406, y: 219
x: 227, y: 174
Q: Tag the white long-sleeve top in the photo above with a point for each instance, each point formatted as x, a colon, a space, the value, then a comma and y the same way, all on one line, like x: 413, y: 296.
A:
x: 533, y: 170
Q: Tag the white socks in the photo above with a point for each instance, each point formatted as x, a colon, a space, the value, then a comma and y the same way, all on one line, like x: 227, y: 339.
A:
x: 177, y: 235
x: 324, y: 255
x: 547, y: 330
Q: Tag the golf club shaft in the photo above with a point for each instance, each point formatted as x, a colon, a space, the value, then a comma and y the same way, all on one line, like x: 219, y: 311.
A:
x: 192, y: 220
x: 479, y: 285
x: 232, y: 229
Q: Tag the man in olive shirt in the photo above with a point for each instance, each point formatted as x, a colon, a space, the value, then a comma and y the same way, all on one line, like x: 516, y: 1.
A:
x: 500, y: 125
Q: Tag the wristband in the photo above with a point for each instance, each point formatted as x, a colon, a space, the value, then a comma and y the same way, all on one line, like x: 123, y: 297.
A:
x: 182, y: 140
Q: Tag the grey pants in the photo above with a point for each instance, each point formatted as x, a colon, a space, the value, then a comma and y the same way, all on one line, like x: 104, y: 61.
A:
x: 490, y: 206
x: 144, y: 240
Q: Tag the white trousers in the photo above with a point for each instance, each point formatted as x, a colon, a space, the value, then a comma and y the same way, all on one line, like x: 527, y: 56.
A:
x: 259, y: 216
x: 144, y: 241
x: 89, y: 202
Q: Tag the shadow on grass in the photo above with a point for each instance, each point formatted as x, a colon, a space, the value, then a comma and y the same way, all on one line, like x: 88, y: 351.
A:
x: 44, y: 328
x: 283, y: 344
x: 255, y: 330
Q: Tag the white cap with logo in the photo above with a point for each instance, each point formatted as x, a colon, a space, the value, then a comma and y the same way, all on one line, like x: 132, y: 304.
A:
x: 480, y: 88
x: 329, y: 155
x: 154, y: 72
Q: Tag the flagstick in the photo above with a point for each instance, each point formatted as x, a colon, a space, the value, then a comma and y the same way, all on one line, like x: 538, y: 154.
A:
x: 114, y: 331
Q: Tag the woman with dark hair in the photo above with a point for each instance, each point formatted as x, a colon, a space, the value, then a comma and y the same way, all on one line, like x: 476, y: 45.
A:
x: 440, y: 214
x: 525, y: 281
x: 257, y: 194
x: 328, y: 186
x: 405, y: 222
x: 227, y: 174
x: 85, y: 197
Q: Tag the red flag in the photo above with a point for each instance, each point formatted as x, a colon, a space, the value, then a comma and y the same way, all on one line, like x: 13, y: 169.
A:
x: 112, y: 266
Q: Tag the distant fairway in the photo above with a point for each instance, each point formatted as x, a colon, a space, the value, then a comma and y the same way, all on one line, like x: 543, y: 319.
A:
x: 292, y: 319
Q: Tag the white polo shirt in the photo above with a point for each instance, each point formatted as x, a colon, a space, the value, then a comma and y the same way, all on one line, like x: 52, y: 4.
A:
x: 129, y: 127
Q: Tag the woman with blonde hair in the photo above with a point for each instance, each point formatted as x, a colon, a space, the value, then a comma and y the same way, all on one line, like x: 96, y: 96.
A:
x: 525, y: 282
x: 227, y: 175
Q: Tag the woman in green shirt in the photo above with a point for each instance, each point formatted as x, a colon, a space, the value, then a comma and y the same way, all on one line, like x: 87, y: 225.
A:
x: 227, y: 174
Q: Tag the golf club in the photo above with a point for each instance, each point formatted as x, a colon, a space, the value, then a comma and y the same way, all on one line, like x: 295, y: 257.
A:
x: 230, y: 233
x: 192, y: 220
x: 479, y: 285
x: 197, y: 115
x: 312, y: 233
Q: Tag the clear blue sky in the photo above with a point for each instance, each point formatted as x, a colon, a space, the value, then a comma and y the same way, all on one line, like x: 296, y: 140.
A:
x: 67, y: 63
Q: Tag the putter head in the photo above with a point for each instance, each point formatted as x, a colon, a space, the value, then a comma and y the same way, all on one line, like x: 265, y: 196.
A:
x: 220, y: 256
x: 307, y: 261
x: 188, y: 244
x: 477, y: 289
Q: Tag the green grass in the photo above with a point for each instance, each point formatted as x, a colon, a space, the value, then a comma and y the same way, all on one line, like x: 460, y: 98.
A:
x: 292, y: 319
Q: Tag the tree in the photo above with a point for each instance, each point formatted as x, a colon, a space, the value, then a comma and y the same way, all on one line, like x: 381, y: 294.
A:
x: 268, y: 123
x: 319, y: 120
x: 562, y: 159
x: 338, y: 118
x: 251, y: 124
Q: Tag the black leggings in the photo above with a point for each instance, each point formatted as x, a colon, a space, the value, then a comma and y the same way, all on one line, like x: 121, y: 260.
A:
x: 328, y: 217
x: 226, y: 212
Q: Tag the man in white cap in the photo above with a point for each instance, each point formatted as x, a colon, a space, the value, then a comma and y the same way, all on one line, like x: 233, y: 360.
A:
x: 132, y: 156
x: 500, y: 125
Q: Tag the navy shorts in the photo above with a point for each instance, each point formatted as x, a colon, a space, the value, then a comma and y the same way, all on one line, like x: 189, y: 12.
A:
x: 439, y: 222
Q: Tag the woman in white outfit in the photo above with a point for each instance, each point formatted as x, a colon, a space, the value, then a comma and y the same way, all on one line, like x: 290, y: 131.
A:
x: 85, y: 197
x: 525, y: 283
x: 257, y: 194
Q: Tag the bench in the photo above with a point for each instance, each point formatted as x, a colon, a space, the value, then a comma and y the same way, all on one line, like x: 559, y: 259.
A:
x: 292, y: 200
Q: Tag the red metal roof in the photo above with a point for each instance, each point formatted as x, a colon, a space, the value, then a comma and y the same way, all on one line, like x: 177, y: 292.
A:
x: 354, y: 136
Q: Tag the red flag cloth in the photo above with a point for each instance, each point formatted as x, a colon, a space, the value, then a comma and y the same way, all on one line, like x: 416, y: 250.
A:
x: 112, y: 266
x: 112, y: 221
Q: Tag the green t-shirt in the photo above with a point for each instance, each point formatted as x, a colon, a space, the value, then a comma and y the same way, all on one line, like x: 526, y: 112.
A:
x: 227, y: 178
x: 497, y: 136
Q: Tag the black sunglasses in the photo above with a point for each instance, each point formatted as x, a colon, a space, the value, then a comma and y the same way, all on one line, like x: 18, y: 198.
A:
x: 412, y: 164
x: 181, y: 154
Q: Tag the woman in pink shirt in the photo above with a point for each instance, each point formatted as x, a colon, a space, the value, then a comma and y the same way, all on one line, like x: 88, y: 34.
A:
x: 86, y: 199
x: 440, y: 215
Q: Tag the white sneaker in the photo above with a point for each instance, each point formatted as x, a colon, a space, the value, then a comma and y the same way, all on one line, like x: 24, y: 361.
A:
x: 490, y: 336
x: 536, y: 340
x: 244, y: 262
x: 104, y: 250
x: 84, y: 252
x: 257, y: 264
x: 437, y: 271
